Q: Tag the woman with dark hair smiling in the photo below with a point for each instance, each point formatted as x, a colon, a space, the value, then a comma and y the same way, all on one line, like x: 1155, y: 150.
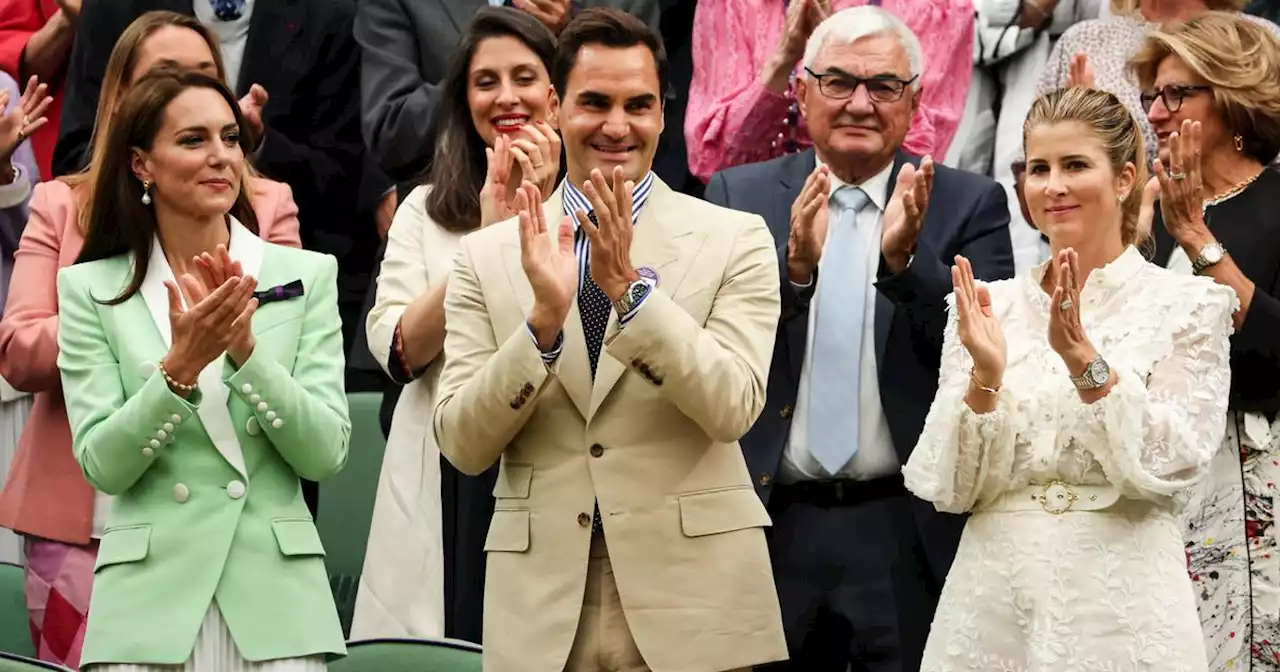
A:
x: 198, y: 395
x: 424, y: 566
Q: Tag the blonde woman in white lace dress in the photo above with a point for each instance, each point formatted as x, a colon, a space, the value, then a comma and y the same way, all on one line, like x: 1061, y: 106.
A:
x: 1076, y: 405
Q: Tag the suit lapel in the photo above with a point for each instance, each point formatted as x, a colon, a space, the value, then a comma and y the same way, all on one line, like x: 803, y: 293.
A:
x: 884, y: 306
x: 274, y: 25
x: 245, y: 248
x: 789, y: 187
x: 654, y: 246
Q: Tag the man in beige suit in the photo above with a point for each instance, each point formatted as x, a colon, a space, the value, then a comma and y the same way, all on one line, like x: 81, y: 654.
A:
x: 613, y: 429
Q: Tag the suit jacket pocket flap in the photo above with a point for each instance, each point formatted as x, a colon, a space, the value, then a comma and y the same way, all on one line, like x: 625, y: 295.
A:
x: 123, y: 544
x: 703, y: 513
x: 297, y: 537
x: 513, y: 480
x: 508, y: 531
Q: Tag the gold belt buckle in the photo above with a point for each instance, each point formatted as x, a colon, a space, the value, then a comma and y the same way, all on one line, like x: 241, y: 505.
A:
x: 1057, y: 497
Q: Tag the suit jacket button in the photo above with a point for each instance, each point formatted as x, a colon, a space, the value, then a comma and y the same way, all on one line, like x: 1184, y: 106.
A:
x: 146, y: 369
x: 597, y: 450
x: 180, y: 493
x: 147, y: 451
x: 786, y: 412
x: 251, y: 426
x: 765, y: 479
x: 516, y: 403
x: 584, y: 520
x: 527, y: 389
x: 235, y: 489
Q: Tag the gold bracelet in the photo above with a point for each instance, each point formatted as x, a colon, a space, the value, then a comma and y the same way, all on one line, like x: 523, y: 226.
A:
x: 173, y: 383
x: 973, y: 377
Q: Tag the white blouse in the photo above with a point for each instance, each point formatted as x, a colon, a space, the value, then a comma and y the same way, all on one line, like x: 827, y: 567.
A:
x: 1164, y: 334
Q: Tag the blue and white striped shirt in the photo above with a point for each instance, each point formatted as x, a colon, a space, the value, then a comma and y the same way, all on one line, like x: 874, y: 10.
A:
x: 573, y: 201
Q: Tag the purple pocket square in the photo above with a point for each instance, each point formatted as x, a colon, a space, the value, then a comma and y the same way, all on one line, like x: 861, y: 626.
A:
x: 284, y: 292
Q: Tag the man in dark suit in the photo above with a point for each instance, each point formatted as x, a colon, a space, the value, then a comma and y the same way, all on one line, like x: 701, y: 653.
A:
x: 866, y: 235
x: 298, y: 75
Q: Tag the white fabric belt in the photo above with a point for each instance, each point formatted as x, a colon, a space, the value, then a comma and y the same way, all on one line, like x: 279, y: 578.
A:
x: 1055, y: 497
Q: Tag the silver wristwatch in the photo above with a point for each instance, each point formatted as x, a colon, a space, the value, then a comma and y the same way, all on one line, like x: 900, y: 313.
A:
x: 1095, y: 375
x: 1209, y: 255
x: 629, y: 300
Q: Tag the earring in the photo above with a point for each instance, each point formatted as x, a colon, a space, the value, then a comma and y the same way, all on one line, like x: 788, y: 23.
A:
x: 1239, y: 142
x: 146, y: 192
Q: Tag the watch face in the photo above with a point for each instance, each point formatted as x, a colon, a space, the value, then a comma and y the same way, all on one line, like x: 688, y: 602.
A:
x: 1098, y: 372
x: 1212, y: 254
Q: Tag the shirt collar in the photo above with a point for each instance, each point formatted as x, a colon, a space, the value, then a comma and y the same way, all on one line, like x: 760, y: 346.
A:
x: 876, y: 186
x: 575, y: 200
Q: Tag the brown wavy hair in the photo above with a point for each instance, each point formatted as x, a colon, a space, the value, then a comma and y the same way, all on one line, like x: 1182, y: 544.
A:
x: 1240, y: 61
x: 120, y: 223
x: 1118, y: 131
x: 458, y: 168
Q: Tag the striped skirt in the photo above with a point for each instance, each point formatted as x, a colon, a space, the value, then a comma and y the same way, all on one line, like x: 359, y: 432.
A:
x: 216, y: 652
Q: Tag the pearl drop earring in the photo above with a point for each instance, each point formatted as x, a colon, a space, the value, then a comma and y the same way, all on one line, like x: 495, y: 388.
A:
x: 146, y: 192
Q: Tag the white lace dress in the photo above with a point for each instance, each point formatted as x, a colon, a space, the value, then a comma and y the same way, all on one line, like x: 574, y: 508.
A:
x: 1095, y: 591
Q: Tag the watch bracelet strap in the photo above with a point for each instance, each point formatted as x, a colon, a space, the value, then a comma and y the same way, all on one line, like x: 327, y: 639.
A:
x: 1199, y: 264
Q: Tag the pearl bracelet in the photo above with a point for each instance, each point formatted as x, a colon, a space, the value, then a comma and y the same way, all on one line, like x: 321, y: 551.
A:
x: 174, y: 383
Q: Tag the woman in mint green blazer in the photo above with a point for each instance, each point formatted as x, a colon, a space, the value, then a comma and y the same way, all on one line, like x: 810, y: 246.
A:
x: 202, y: 369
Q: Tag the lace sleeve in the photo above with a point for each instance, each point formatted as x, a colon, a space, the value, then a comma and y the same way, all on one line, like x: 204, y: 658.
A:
x: 961, y: 456
x: 1155, y: 437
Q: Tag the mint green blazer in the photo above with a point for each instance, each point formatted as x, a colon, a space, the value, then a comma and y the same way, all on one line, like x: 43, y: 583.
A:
x: 208, y: 505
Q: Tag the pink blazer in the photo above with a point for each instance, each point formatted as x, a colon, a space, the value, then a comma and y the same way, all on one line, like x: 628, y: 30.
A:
x: 46, y: 494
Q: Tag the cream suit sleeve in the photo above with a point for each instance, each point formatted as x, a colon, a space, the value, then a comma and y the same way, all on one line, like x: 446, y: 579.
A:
x: 715, y: 372
x: 487, y: 389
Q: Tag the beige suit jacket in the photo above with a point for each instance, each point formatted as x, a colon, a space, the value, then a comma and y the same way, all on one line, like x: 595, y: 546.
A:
x: 654, y: 440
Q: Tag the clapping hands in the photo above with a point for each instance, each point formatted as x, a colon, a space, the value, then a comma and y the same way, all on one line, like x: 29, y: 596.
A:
x: 216, y: 317
x: 538, y: 156
x: 24, y: 119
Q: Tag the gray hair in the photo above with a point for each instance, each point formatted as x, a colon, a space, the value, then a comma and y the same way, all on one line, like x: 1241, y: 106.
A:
x: 850, y: 25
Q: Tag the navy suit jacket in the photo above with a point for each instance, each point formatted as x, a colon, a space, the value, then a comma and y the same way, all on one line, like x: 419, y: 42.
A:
x: 968, y: 215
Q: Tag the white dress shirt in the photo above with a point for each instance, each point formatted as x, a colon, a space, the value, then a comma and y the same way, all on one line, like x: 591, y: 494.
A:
x: 876, y: 455
x: 232, y: 36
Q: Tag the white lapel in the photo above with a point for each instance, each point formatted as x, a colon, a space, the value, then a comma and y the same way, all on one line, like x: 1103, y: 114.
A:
x: 247, y: 249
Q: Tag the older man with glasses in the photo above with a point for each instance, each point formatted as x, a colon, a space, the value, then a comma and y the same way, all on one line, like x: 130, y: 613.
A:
x: 865, y: 236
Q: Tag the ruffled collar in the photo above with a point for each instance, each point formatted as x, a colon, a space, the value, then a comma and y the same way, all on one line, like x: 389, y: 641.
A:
x: 1101, y: 284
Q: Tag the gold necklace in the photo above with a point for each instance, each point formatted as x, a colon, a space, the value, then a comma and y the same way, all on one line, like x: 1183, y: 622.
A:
x: 1231, y: 191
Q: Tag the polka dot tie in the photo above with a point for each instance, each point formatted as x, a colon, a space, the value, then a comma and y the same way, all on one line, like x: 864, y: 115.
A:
x: 594, y: 308
x: 227, y: 10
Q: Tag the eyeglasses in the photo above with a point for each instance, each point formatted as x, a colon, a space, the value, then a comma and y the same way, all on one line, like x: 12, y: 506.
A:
x: 1172, y: 94
x: 839, y: 86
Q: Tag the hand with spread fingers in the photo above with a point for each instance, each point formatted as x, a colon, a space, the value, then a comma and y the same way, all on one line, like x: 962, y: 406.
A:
x: 904, y: 216
x: 1182, y: 187
x: 610, y: 237
x: 553, y: 14
x: 495, y: 201
x: 24, y: 119
x: 538, y: 155
x: 211, y: 271
x: 809, y: 221
x: 979, y: 329
x: 550, y: 265
x: 1066, y: 331
x: 1080, y: 73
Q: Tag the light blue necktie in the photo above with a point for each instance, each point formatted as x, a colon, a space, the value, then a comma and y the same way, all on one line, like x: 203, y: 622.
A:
x: 836, y: 361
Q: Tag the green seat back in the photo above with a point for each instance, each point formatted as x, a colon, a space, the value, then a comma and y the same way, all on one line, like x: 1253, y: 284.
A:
x: 409, y: 655
x: 15, y: 663
x: 346, y: 503
x: 15, y: 627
